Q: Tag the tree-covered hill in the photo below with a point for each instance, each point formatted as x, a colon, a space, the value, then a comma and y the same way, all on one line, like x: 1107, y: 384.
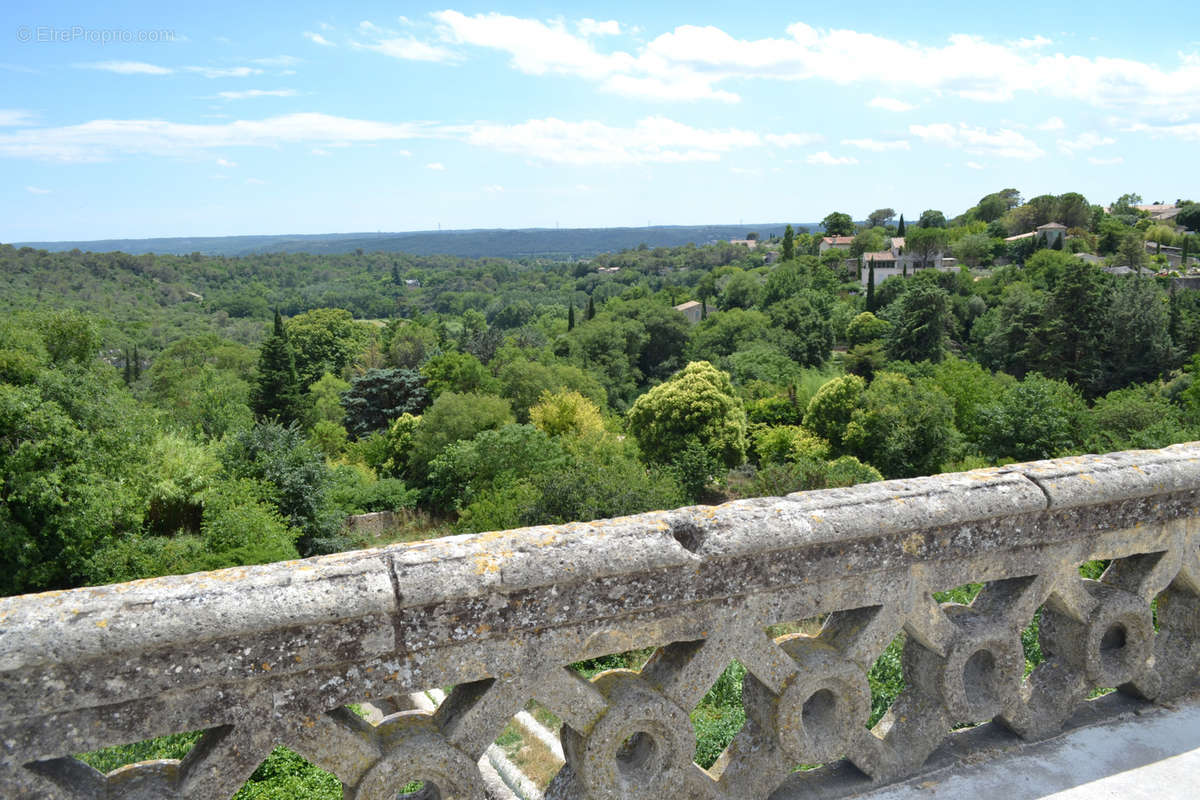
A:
x: 566, y: 244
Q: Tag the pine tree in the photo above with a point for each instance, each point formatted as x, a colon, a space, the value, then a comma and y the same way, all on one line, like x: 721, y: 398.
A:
x: 871, y: 287
x: 789, y: 243
x: 571, y: 317
x: 900, y: 227
x: 277, y: 393
x: 591, y: 309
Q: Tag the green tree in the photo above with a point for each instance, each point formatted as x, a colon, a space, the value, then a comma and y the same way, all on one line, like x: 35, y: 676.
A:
x: 591, y: 308
x: 1072, y: 332
x: 830, y: 409
x: 872, y: 301
x: 325, y: 340
x: 900, y: 230
x: 788, y: 251
x: 1189, y: 217
x: 453, y: 417
x: 379, y: 396
x: 925, y: 243
x: 296, y: 480
x: 566, y: 413
x: 697, y: 404
x: 869, y: 240
x: 881, y: 217
x: 866, y: 327
x: 838, y: 224
x: 920, y: 320
x: 276, y: 394
x: 466, y: 469
x: 455, y: 371
x: 932, y: 218
x: 973, y: 248
x: 903, y: 428
x: 806, y: 334
x: 571, y: 317
x: 1036, y: 418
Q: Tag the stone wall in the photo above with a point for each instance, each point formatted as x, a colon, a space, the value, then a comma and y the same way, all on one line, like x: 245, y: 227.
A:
x: 271, y: 655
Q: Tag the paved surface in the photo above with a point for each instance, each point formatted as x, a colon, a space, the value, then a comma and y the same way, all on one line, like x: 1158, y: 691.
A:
x: 1155, y: 754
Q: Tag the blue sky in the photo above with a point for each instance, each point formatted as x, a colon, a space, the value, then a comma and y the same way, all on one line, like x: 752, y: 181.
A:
x: 154, y: 119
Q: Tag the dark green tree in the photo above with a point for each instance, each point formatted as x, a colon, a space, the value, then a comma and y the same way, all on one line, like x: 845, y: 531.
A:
x: 920, y: 320
x: 379, y: 396
x: 276, y: 394
x: 591, y: 309
x: 789, y: 243
x: 900, y: 227
x: 1072, y: 331
x: 571, y: 317
x: 871, y: 304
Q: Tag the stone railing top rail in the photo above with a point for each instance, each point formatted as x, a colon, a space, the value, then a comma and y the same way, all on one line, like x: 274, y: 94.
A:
x: 266, y: 655
x: 180, y: 611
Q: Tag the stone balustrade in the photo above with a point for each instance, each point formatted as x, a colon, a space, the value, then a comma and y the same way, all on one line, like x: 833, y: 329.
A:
x: 272, y: 655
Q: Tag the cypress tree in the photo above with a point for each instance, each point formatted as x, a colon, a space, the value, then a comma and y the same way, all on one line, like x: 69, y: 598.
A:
x: 789, y: 243
x: 1184, y: 254
x: 277, y: 393
x: 137, y: 364
x: 128, y: 374
x: 571, y: 317
x: 703, y: 308
x: 900, y: 227
x: 871, y: 287
x: 591, y: 309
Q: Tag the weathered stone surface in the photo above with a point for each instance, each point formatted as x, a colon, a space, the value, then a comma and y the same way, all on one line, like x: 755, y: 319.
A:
x: 265, y: 656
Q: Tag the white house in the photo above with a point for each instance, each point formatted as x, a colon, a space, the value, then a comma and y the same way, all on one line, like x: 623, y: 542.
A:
x: 895, y: 261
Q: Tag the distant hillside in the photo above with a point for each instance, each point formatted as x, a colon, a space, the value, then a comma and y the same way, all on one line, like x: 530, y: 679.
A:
x: 568, y: 243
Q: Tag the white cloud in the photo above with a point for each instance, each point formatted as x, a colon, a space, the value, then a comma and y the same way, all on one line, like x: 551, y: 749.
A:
x: 317, y: 38
x: 1003, y: 143
x: 1089, y: 140
x: 876, y: 145
x: 37, y: 190
x: 891, y: 104
x: 224, y: 162
x: 1033, y: 43
x: 495, y: 188
x: 689, y: 62
x: 793, y: 139
x: 319, y: 151
x: 408, y: 48
x: 225, y: 72
x: 102, y: 139
x: 127, y: 67
x: 1104, y: 162
x: 536, y: 47
x: 825, y: 159
x: 277, y: 61
x: 746, y: 171
x: 436, y: 166
x: 650, y: 140
x: 12, y: 117
x: 255, y: 181
x: 1052, y: 124
x: 590, y: 27
x: 1187, y: 132
x: 974, y: 165
x: 250, y: 93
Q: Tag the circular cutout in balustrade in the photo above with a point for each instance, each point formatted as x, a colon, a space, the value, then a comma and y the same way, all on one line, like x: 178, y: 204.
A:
x: 1112, y: 646
x: 822, y: 710
x: 641, y: 747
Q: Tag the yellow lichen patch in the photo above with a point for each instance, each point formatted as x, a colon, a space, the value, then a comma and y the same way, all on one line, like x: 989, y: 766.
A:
x: 487, y: 562
x: 101, y: 623
x: 913, y: 544
x: 1087, y: 478
x: 817, y: 518
x: 266, y: 667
